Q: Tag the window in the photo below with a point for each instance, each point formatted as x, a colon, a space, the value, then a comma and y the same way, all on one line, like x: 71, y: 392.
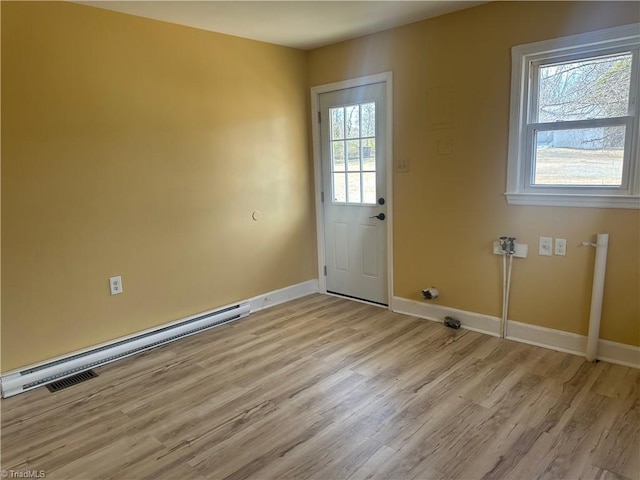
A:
x: 573, y: 136
x: 353, y: 153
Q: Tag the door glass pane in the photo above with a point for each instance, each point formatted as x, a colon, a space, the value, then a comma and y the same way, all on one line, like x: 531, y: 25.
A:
x: 339, y: 188
x: 368, y: 119
x: 337, y: 155
x: 353, y: 185
x: 337, y: 123
x: 369, y: 154
x: 581, y: 156
x: 353, y: 148
x: 591, y: 88
x: 353, y: 155
x: 369, y: 187
x: 352, y: 115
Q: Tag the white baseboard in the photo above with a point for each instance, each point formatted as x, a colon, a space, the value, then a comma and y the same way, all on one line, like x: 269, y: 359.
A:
x: 469, y: 320
x: 283, y: 295
x: 619, y: 353
x: 613, y: 352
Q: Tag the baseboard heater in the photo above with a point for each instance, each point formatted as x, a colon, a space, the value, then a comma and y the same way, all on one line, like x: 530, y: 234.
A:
x: 36, y: 376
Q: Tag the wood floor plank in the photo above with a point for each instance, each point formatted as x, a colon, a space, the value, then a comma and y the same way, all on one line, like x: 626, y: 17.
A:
x: 245, y: 409
x: 135, y: 456
x: 53, y: 447
x: 373, y: 464
x: 494, y: 423
x: 491, y: 454
x: 571, y: 440
x: 336, y: 451
x: 616, y: 381
x: 596, y: 473
x: 329, y: 389
x: 447, y: 424
x: 619, y: 450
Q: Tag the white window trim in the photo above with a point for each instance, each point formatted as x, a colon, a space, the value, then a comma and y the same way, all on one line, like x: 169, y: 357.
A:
x: 522, y: 56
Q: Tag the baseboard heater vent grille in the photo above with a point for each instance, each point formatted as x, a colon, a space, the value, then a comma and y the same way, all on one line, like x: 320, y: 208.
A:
x: 36, y: 376
x: 71, y: 381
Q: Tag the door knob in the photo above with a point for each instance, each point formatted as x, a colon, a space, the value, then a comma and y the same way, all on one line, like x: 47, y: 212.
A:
x: 380, y: 216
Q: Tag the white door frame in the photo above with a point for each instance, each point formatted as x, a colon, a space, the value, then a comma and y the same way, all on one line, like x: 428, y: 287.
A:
x: 387, y: 79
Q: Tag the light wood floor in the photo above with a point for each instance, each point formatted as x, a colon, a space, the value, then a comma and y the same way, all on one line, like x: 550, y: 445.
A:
x: 326, y: 388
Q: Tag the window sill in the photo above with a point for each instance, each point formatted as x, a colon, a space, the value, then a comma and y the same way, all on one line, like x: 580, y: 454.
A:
x: 569, y: 200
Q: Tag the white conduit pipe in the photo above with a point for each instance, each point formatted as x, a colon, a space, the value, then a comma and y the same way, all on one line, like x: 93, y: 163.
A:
x: 602, y: 245
x: 506, y: 287
x: 507, y: 245
x: 504, y: 295
x: 505, y: 313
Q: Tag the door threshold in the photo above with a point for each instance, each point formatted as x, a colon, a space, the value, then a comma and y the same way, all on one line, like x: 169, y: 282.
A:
x: 357, y: 299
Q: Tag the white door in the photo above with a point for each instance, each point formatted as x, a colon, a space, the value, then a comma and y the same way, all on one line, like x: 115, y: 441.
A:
x: 352, y: 134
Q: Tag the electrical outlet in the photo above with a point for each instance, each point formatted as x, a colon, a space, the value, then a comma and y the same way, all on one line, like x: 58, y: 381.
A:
x: 115, y: 284
x: 544, y: 248
x: 561, y: 246
x: 497, y: 249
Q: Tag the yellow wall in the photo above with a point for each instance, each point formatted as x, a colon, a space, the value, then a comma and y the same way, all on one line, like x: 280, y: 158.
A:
x: 139, y: 148
x: 455, y: 70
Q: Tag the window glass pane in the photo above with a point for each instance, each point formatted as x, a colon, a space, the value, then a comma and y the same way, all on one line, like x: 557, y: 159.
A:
x: 352, y: 114
x: 583, y: 156
x: 369, y: 154
x: 353, y: 155
x: 339, y: 188
x: 337, y: 123
x: 337, y: 155
x: 369, y: 188
x: 353, y: 186
x: 368, y: 119
x: 591, y: 88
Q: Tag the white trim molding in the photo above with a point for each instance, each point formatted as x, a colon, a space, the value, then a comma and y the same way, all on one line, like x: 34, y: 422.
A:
x: 568, y: 200
x: 470, y: 321
x: 387, y: 79
x: 567, y: 342
x: 283, y: 295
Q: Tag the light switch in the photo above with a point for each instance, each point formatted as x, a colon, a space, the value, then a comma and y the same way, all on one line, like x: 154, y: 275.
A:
x: 402, y: 165
x: 545, y: 246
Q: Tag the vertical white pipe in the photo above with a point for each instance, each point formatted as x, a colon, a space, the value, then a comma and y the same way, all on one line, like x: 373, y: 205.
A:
x: 504, y: 294
x: 506, y: 299
x: 597, y: 291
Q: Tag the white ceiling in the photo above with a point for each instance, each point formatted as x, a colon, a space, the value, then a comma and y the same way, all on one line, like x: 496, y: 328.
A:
x: 298, y: 24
